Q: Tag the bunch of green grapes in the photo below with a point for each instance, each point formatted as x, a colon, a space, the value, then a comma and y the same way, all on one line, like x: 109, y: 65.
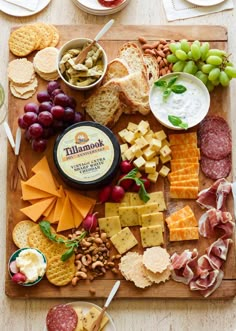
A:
x: 211, y: 66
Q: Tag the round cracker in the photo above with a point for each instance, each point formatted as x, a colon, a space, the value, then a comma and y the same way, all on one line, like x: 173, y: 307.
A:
x: 20, y: 233
x: 22, y: 41
x: 126, y: 263
x: 60, y: 273
x: 25, y: 96
x: 21, y: 71
x: 56, y: 35
x: 156, y: 259
x: 45, y: 61
x: 56, y: 249
x: 36, y: 239
x: 46, y: 33
x: 23, y: 89
x: 158, y: 277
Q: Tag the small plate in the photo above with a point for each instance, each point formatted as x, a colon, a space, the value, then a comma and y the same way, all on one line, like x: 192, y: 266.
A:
x: 86, y: 306
x: 18, y: 11
x: 95, y: 8
x: 205, y: 3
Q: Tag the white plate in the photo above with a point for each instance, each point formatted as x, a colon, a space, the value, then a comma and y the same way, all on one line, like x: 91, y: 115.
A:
x: 18, y: 11
x: 94, y: 8
x: 205, y: 3
x: 86, y: 306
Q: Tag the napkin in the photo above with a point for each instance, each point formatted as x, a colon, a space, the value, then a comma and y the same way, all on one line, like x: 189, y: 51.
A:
x: 180, y: 9
x: 27, y: 4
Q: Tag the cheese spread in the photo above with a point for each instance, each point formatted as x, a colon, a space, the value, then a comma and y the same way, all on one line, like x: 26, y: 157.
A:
x: 87, y: 155
x: 31, y: 263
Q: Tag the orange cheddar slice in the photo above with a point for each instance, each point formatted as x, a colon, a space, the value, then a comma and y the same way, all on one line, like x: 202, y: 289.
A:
x: 179, y: 166
x: 189, y: 182
x: 193, y: 169
x: 81, y: 203
x: 78, y: 218
x: 59, y: 206
x: 193, y: 152
x: 189, y: 233
x: 183, y: 138
x: 177, y: 178
x: 183, y: 192
x: 186, y: 160
x: 186, y: 222
x: 180, y: 214
x: 49, y: 217
x: 183, y: 147
x: 42, y: 182
x: 43, y: 166
x: 31, y: 193
x: 50, y: 208
x: 35, y: 211
x: 66, y: 221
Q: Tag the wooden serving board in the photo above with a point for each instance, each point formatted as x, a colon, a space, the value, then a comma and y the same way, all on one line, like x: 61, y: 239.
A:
x: 220, y: 104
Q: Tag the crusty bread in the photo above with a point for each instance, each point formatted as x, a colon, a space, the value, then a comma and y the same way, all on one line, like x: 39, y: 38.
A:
x: 103, y: 106
x: 117, y: 68
x: 152, y: 68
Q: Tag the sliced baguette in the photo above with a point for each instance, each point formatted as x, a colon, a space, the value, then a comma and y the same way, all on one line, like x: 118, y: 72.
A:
x: 152, y: 68
x: 117, y: 68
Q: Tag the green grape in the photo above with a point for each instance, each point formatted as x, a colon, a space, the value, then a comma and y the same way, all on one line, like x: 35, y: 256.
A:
x: 171, y: 58
x: 230, y: 64
x: 206, y: 68
x: 204, y: 48
x: 215, y: 82
x: 196, y: 54
x: 190, y: 57
x: 197, y: 42
x: 210, y: 86
x: 185, y: 45
x: 214, y: 60
x: 224, y: 79
x: 216, y: 52
x: 214, y: 74
x: 200, y: 64
x: 178, y: 66
x: 174, y: 46
x: 230, y: 71
x: 203, y: 77
x: 181, y: 55
x: 195, y: 69
x: 189, y: 67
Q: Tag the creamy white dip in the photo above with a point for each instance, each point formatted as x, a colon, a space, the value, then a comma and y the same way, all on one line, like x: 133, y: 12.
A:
x: 31, y: 263
x: 190, y: 106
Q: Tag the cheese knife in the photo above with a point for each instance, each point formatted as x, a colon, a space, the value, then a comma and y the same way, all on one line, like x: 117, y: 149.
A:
x: 9, y: 134
x: 233, y: 186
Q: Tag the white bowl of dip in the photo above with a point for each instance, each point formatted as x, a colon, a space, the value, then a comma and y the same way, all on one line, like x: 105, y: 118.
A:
x: 190, y: 107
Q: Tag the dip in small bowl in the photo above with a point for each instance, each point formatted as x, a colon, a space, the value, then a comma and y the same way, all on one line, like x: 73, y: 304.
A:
x: 86, y: 75
x: 27, y: 266
x: 179, y: 100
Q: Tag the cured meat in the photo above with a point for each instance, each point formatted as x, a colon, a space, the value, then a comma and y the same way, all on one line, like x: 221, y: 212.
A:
x: 184, y: 265
x: 219, y: 248
x: 216, y: 145
x: 213, y: 123
x: 209, y: 284
x: 61, y: 318
x: 216, y: 169
x: 110, y: 3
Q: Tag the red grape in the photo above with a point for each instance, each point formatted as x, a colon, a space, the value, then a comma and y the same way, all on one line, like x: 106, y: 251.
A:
x: 39, y: 145
x: 58, y: 124
x: 31, y: 107
x: 45, y: 118
x: 47, y: 132
x: 21, y: 122
x: 53, y: 85
x: 45, y: 106
x: 79, y: 117
x: 61, y: 99
x: 57, y: 112
x: 35, y: 130
x: 30, y: 118
x: 55, y: 92
x: 43, y: 96
x: 72, y: 102
x: 69, y: 114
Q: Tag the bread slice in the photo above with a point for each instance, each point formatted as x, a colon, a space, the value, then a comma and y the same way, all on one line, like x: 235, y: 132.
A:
x: 103, y: 106
x: 117, y: 68
x: 152, y: 68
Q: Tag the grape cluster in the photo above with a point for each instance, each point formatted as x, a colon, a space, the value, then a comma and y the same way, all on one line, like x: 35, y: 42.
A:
x: 55, y: 112
x: 211, y: 66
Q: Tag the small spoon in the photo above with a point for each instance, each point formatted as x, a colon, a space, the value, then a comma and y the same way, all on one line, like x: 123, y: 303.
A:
x: 82, y: 55
x: 96, y: 324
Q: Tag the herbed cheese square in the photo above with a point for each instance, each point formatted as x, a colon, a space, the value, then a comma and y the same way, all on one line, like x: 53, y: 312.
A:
x: 110, y: 225
x: 148, y: 208
x: 124, y: 240
x: 135, y: 200
x: 152, y: 219
x: 151, y: 236
x: 91, y: 316
x: 157, y: 198
x: 112, y: 208
x: 129, y: 216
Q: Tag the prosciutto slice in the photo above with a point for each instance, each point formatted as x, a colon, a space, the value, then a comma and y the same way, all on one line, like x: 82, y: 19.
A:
x: 184, y: 266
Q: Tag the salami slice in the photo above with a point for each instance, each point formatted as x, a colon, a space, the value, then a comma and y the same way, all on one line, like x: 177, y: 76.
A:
x: 61, y: 318
x: 216, y: 145
x: 216, y: 169
x: 213, y: 123
x: 110, y: 3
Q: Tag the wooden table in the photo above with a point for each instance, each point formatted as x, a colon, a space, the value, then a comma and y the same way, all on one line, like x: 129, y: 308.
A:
x: 151, y: 314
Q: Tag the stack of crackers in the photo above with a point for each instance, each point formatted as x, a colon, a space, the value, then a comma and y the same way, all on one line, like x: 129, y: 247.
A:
x: 144, y: 270
x: 32, y: 37
x: 45, y: 63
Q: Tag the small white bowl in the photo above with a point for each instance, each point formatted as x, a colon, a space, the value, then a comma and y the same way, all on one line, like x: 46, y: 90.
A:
x: 78, y: 43
x: 191, y: 106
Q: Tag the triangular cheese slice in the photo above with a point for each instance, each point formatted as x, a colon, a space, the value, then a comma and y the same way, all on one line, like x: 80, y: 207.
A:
x: 49, y: 218
x: 66, y: 221
x: 59, y: 206
x: 36, y: 210
x: 43, y: 166
x: 78, y: 218
x: 31, y: 193
x: 81, y: 203
x: 41, y: 182
x: 50, y: 207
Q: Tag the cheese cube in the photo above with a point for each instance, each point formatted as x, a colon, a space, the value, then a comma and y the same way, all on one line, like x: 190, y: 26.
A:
x: 164, y: 171
x: 130, y: 137
x: 143, y: 127
x: 155, y: 159
x: 141, y: 142
x: 152, y: 219
x: 165, y: 159
x: 112, y: 208
x: 165, y: 142
x: 138, y: 151
x: 129, y: 154
x: 150, y: 167
x: 160, y: 135
x: 158, y: 199
x: 123, y: 148
x: 124, y: 240
x: 129, y: 216
x: 110, y: 225
x: 148, y: 153
x: 156, y: 145
x: 122, y: 134
x: 91, y: 316
x: 151, y: 236
x: 139, y: 162
x: 165, y: 151
x: 149, y: 136
x: 153, y: 177
x: 132, y: 126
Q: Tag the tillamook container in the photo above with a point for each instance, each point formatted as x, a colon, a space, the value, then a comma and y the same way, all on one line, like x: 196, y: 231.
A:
x: 87, y: 155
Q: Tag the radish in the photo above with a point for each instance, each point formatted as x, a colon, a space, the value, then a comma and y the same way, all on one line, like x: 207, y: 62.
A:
x: 90, y: 222
x: 117, y: 193
x: 126, y: 166
x: 13, y: 267
x: 125, y: 183
x: 146, y: 182
x: 105, y: 194
x: 19, y: 278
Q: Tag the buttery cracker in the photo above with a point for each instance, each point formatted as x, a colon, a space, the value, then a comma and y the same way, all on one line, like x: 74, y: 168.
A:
x: 36, y: 239
x: 46, y: 33
x: 56, y: 248
x: 60, y: 272
x: 56, y: 35
x: 23, y: 41
x: 20, y: 233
